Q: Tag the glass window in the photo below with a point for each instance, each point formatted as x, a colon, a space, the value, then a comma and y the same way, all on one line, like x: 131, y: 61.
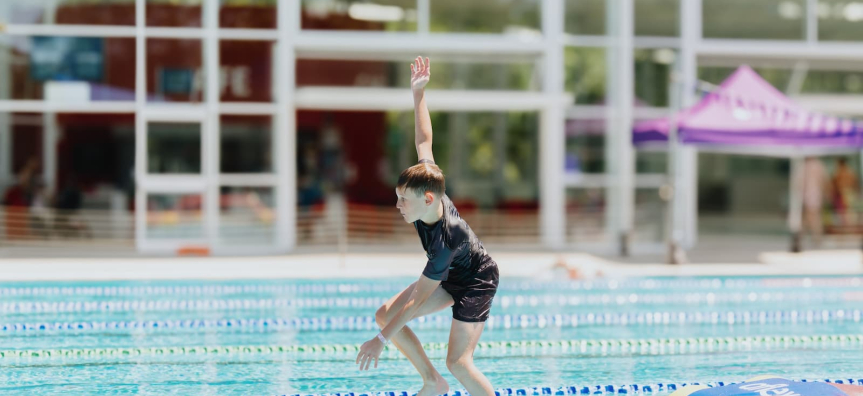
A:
x: 815, y: 82
x: 748, y: 19
x: 246, y: 73
x: 341, y: 73
x: 522, y: 151
x: 174, y: 148
x: 73, y: 12
x: 650, y: 216
x: 838, y: 82
x: 247, y: 215
x: 25, y: 135
x: 247, y: 144
x: 585, y: 17
x: 342, y: 151
x: 375, y: 15
x: 174, y: 13
x: 585, y: 149
x: 98, y: 151
x: 256, y: 14
x: 486, y: 16
x: 585, y: 74
x: 174, y: 216
x: 92, y: 175
x: 486, y: 76
x: 519, y: 75
x: 840, y: 20
x: 779, y: 78
x: 652, y: 70
x: 494, y: 162
x: 400, y: 150
x: 481, y: 159
x: 78, y: 69
x: 657, y: 18
x: 652, y: 161
x: 585, y: 145
x: 585, y: 215
x: 174, y: 71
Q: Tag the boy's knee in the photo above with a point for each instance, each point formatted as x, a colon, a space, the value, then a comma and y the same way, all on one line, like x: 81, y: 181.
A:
x: 458, y: 365
x: 381, y: 316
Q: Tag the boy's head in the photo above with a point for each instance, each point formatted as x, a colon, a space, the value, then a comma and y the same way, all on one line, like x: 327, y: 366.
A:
x: 419, y: 190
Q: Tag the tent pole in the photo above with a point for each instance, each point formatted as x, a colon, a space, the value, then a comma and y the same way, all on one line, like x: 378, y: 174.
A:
x: 861, y: 184
x: 676, y: 254
x: 795, y: 203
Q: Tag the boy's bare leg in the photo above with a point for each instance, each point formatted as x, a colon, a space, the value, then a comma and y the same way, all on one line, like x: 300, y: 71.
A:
x: 463, y: 338
x: 408, y: 343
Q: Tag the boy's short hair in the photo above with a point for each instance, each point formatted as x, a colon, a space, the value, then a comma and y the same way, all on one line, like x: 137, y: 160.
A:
x: 421, y: 178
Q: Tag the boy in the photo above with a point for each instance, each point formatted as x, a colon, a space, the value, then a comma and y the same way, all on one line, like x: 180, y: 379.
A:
x: 459, y: 273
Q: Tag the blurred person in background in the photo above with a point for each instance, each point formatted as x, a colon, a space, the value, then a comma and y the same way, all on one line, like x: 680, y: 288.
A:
x: 40, y: 213
x: 845, y: 191
x: 69, y: 201
x: 815, y: 185
x: 459, y: 273
x: 17, y: 200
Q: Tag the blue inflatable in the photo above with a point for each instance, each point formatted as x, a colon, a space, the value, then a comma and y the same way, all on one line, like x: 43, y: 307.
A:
x: 773, y: 386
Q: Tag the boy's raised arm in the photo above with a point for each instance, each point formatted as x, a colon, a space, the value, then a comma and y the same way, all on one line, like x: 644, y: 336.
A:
x: 420, y: 74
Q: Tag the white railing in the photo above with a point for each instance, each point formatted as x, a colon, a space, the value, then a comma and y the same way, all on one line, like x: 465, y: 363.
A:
x: 99, y: 232
x: 54, y: 231
x: 363, y: 225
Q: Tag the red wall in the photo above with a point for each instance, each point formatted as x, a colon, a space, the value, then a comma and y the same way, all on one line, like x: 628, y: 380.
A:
x: 363, y: 133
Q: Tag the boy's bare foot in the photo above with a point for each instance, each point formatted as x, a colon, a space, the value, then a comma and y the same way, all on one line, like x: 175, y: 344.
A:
x: 434, y: 388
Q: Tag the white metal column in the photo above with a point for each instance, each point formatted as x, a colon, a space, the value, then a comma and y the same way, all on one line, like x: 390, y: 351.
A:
x: 285, y: 134
x: 50, y: 135
x: 6, y: 177
x: 552, y: 140
x: 811, y: 21
x: 204, y: 183
x: 690, y: 29
x: 210, y: 136
x: 140, y: 122
x: 795, y: 201
x: 423, y: 17
x: 620, y: 165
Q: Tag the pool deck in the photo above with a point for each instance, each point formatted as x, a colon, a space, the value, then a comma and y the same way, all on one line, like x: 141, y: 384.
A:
x: 365, y: 265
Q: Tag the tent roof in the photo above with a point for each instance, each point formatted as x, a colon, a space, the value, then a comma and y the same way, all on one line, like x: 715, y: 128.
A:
x: 747, y: 112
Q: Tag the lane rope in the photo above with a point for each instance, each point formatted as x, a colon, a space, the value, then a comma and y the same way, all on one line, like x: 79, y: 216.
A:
x: 348, y: 287
x: 589, y: 346
x: 638, y: 389
x: 666, y: 318
x: 502, y: 301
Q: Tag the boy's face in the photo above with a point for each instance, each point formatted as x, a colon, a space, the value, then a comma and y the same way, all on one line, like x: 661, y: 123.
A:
x: 411, y: 205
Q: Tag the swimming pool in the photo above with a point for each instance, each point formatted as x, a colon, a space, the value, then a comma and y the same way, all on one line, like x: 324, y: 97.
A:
x: 300, y: 337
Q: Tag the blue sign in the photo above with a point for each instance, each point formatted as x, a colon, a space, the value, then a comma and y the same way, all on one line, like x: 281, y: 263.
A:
x: 176, y: 81
x: 67, y: 58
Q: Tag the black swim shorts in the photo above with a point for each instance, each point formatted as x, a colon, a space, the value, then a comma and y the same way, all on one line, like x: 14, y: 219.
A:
x: 472, y: 299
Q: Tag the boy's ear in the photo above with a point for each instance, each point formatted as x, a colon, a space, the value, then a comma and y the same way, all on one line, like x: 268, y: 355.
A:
x: 429, y: 196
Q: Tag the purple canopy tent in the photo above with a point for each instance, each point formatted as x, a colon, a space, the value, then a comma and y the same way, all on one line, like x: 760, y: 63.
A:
x: 747, y: 115
x: 747, y: 112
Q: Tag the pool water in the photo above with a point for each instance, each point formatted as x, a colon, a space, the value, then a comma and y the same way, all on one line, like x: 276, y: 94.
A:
x: 255, y: 337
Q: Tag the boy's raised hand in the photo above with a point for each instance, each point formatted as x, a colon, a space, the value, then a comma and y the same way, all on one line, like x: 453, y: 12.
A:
x: 420, y: 73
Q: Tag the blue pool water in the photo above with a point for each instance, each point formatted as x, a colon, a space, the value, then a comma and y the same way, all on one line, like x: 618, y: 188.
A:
x: 86, y: 327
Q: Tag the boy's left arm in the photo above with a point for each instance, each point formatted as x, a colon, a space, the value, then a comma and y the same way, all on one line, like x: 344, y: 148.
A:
x: 371, y: 350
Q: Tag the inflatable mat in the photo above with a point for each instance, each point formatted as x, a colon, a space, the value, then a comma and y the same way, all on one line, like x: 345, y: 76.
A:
x: 773, y: 386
